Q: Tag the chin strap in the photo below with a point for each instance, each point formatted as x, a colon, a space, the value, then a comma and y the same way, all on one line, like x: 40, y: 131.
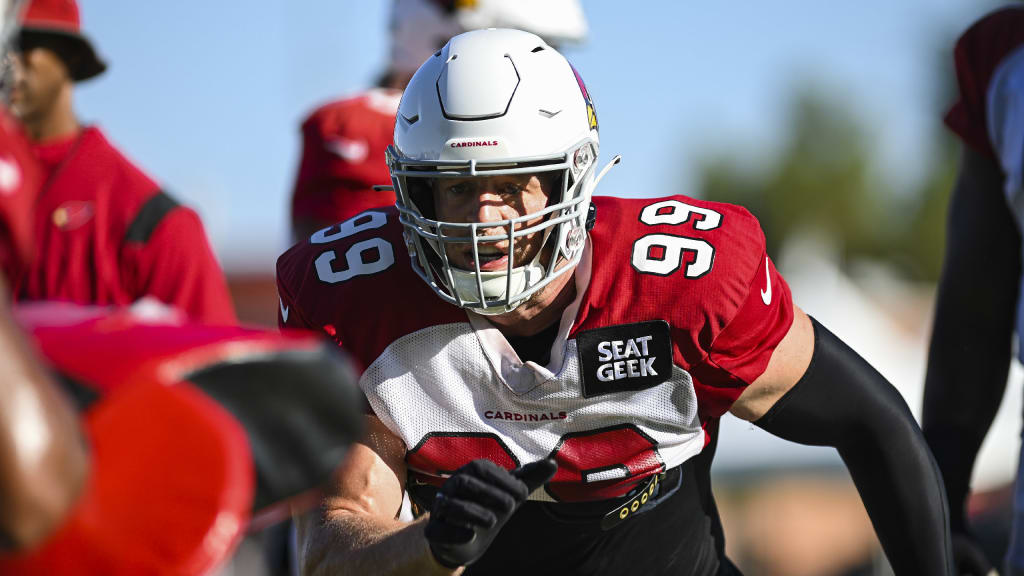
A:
x: 600, y: 175
x: 494, y: 286
x: 591, y: 217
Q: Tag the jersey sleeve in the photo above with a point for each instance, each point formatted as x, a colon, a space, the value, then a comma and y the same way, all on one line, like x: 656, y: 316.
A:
x: 741, y: 351
x: 177, y: 266
x: 977, y: 55
x: 289, y: 313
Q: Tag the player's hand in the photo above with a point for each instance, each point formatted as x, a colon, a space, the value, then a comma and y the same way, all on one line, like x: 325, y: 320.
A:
x: 969, y: 558
x: 473, y: 505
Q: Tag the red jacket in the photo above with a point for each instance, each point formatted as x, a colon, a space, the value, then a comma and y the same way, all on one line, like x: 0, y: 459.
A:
x: 20, y: 177
x: 106, y: 234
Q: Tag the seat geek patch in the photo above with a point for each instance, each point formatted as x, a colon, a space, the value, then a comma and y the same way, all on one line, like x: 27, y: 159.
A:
x: 626, y: 357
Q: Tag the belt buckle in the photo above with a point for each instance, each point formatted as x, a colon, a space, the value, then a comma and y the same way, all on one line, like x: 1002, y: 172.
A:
x: 622, y: 512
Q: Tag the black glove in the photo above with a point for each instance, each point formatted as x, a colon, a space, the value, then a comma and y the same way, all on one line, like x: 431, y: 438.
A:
x: 473, y: 505
x: 969, y: 558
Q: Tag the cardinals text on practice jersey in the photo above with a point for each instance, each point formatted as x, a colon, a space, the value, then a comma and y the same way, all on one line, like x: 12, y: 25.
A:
x: 677, y: 310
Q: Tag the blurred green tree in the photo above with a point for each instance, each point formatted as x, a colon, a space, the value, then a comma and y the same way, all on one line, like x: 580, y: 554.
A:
x: 824, y: 180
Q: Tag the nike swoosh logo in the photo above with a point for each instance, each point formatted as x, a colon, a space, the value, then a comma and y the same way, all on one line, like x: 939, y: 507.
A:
x: 284, y: 310
x: 766, y: 295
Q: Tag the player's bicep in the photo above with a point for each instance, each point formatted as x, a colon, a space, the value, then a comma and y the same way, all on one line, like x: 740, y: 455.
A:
x: 371, y: 481
x: 787, y: 365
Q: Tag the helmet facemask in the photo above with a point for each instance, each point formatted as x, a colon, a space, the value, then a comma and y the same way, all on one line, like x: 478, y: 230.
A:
x: 488, y: 292
x: 491, y: 103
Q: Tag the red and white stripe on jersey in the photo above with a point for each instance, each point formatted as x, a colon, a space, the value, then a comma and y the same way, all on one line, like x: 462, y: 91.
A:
x: 452, y: 388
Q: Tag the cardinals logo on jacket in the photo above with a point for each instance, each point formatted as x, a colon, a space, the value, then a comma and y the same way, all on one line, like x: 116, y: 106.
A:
x: 72, y: 214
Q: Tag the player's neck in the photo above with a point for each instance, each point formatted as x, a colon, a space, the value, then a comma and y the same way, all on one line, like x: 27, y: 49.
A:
x: 541, y: 310
x: 57, y: 124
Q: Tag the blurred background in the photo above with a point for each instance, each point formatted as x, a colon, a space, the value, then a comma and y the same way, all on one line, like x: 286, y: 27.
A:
x: 823, y: 118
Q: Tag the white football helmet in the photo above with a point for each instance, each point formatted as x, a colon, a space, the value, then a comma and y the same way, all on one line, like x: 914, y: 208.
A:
x: 494, y: 102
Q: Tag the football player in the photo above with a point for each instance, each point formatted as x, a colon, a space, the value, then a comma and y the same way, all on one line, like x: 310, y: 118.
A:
x: 978, y: 304
x: 547, y: 371
x: 343, y: 141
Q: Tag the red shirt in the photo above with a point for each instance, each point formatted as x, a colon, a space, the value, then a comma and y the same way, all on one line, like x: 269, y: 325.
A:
x: 20, y: 177
x: 106, y: 234
x: 343, y: 146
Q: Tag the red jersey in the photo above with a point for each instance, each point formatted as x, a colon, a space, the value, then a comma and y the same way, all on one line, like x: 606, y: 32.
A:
x: 20, y: 177
x: 343, y: 146
x: 106, y: 234
x: 979, y: 54
x: 678, y: 309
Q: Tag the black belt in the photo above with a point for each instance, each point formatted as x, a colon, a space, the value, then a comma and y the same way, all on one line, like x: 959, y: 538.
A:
x: 610, y: 513
x: 633, y: 505
x: 606, y: 513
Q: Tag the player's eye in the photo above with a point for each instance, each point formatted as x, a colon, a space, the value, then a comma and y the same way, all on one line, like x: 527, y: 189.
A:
x: 508, y: 188
x: 460, y: 189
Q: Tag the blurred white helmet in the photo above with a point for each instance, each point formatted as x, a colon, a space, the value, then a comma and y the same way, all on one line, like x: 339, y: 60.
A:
x: 420, y: 27
x: 494, y: 102
x: 556, y: 21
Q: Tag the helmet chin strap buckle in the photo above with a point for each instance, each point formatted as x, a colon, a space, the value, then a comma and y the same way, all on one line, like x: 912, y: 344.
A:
x: 614, y: 161
x: 591, y: 217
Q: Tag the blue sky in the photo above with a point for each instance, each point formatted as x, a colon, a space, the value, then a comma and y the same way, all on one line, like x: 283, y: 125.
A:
x: 207, y: 96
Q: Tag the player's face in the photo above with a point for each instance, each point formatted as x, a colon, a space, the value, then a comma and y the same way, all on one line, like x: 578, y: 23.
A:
x: 492, y: 199
x: 39, y: 75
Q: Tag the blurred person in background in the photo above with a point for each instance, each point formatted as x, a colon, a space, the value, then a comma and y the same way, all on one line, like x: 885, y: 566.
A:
x: 547, y: 369
x: 343, y: 141
x: 105, y: 233
x: 43, y: 459
x: 184, y: 433
x: 978, y: 307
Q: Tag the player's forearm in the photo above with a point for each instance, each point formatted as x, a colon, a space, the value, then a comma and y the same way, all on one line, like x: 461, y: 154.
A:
x: 967, y: 371
x: 842, y: 401
x: 969, y: 354
x: 345, y: 543
x: 44, y: 455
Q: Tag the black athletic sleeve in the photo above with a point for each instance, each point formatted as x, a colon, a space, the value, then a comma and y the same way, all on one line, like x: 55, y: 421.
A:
x: 969, y: 355
x: 842, y: 401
